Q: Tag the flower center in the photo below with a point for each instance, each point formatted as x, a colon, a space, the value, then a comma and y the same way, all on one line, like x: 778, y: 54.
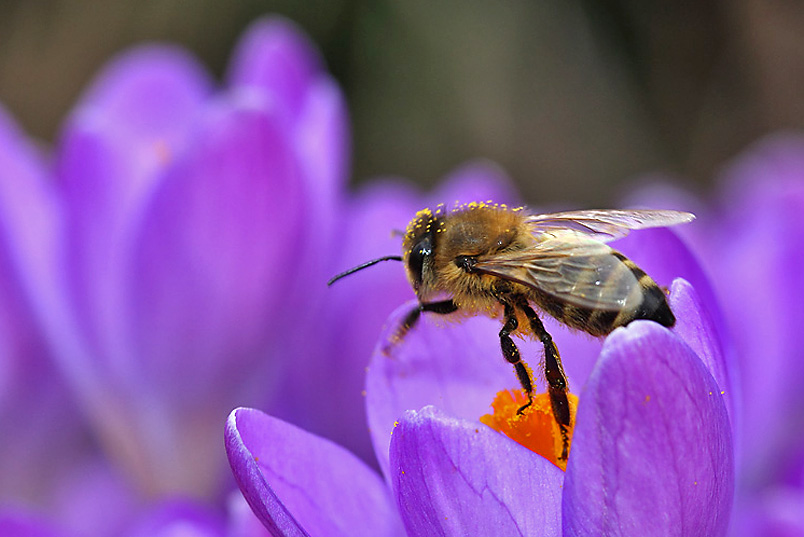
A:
x: 535, y: 428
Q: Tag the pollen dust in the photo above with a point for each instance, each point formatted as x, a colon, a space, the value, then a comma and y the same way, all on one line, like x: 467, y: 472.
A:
x: 535, y: 428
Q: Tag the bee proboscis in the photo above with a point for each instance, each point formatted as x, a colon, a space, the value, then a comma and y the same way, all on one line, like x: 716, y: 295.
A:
x: 501, y: 262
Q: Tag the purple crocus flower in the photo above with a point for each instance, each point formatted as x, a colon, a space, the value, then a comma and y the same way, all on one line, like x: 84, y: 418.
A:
x: 26, y: 525
x: 152, y: 267
x: 166, y: 518
x: 652, y: 453
x: 36, y: 410
x: 756, y: 252
x: 181, y: 221
x: 750, y: 241
x: 168, y: 260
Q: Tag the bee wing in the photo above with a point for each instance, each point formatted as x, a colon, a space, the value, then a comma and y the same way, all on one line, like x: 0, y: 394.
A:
x: 604, y: 225
x: 575, y: 269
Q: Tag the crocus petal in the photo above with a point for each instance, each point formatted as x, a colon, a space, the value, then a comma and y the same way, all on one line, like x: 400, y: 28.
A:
x: 241, y: 520
x: 300, y: 484
x: 20, y: 524
x: 207, y: 271
x: 458, y: 368
x: 336, y: 358
x: 177, y: 518
x: 775, y: 512
x: 201, y: 286
x: 36, y: 412
x: 276, y: 64
x: 29, y: 210
x: 665, y: 257
x: 95, y: 499
x: 694, y: 324
x: 130, y: 125
x: 456, y: 477
x: 758, y: 252
x: 652, y: 451
x: 147, y: 93
x: 276, y: 59
x: 322, y: 140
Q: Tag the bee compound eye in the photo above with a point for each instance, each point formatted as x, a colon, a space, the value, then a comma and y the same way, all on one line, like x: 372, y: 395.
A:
x: 418, y: 254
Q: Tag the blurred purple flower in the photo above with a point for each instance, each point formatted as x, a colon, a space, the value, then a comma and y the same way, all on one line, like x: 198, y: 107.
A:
x: 176, y: 518
x: 167, y: 263
x: 36, y: 411
x: 757, y: 250
x: 167, y: 518
x: 756, y: 255
x: 26, y: 525
x: 153, y: 271
x: 750, y: 241
x: 653, y: 445
x: 179, y: 226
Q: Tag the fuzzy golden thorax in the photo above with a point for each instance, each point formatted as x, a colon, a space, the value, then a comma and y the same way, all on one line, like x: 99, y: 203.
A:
x: 437, y: 241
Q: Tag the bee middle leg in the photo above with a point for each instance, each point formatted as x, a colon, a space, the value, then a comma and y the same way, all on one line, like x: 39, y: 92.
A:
x: 511, y: 353
x: 554, y: 374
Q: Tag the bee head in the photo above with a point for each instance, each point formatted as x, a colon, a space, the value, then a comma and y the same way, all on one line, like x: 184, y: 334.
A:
x: 419, y: 257
x: 418, y: 247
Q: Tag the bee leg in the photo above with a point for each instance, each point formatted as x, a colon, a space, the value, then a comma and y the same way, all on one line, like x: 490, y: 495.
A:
x: 511, y: 353
x: 442, y: 308
x: 554, y: 373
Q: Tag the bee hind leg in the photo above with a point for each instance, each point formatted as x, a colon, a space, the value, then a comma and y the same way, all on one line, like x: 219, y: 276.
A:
x: 554, y: 374
x: 512, y: 356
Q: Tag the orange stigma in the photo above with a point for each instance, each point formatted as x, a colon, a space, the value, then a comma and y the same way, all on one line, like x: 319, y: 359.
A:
x: 535, y: 428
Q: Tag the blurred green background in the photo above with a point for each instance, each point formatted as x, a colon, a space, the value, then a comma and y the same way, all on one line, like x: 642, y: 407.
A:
x: 574, y: 98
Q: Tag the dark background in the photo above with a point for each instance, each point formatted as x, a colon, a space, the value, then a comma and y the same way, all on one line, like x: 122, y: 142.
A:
x: 574, y: 98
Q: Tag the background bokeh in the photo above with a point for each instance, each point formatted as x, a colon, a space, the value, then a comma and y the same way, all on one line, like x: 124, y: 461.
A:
x: 573, y: 98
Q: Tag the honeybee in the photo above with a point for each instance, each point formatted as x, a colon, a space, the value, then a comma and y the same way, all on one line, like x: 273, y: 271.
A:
x: 508, y: 262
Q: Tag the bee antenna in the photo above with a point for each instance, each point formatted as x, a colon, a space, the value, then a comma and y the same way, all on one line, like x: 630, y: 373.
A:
x: 364, y: 265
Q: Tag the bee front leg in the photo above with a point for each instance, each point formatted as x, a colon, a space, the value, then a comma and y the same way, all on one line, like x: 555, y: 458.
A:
x: 442, y: 307
x: 554, y: 374
x: 511, y: 353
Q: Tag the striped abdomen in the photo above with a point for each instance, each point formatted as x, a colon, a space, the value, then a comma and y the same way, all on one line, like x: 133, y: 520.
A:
x: 599, y: 322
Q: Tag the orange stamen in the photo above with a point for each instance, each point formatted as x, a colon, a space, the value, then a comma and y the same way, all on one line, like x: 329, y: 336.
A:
x: 535, y: 428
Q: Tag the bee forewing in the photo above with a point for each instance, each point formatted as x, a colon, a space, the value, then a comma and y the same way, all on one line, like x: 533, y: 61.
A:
x: 604, y: 225
x: 577, y: 270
